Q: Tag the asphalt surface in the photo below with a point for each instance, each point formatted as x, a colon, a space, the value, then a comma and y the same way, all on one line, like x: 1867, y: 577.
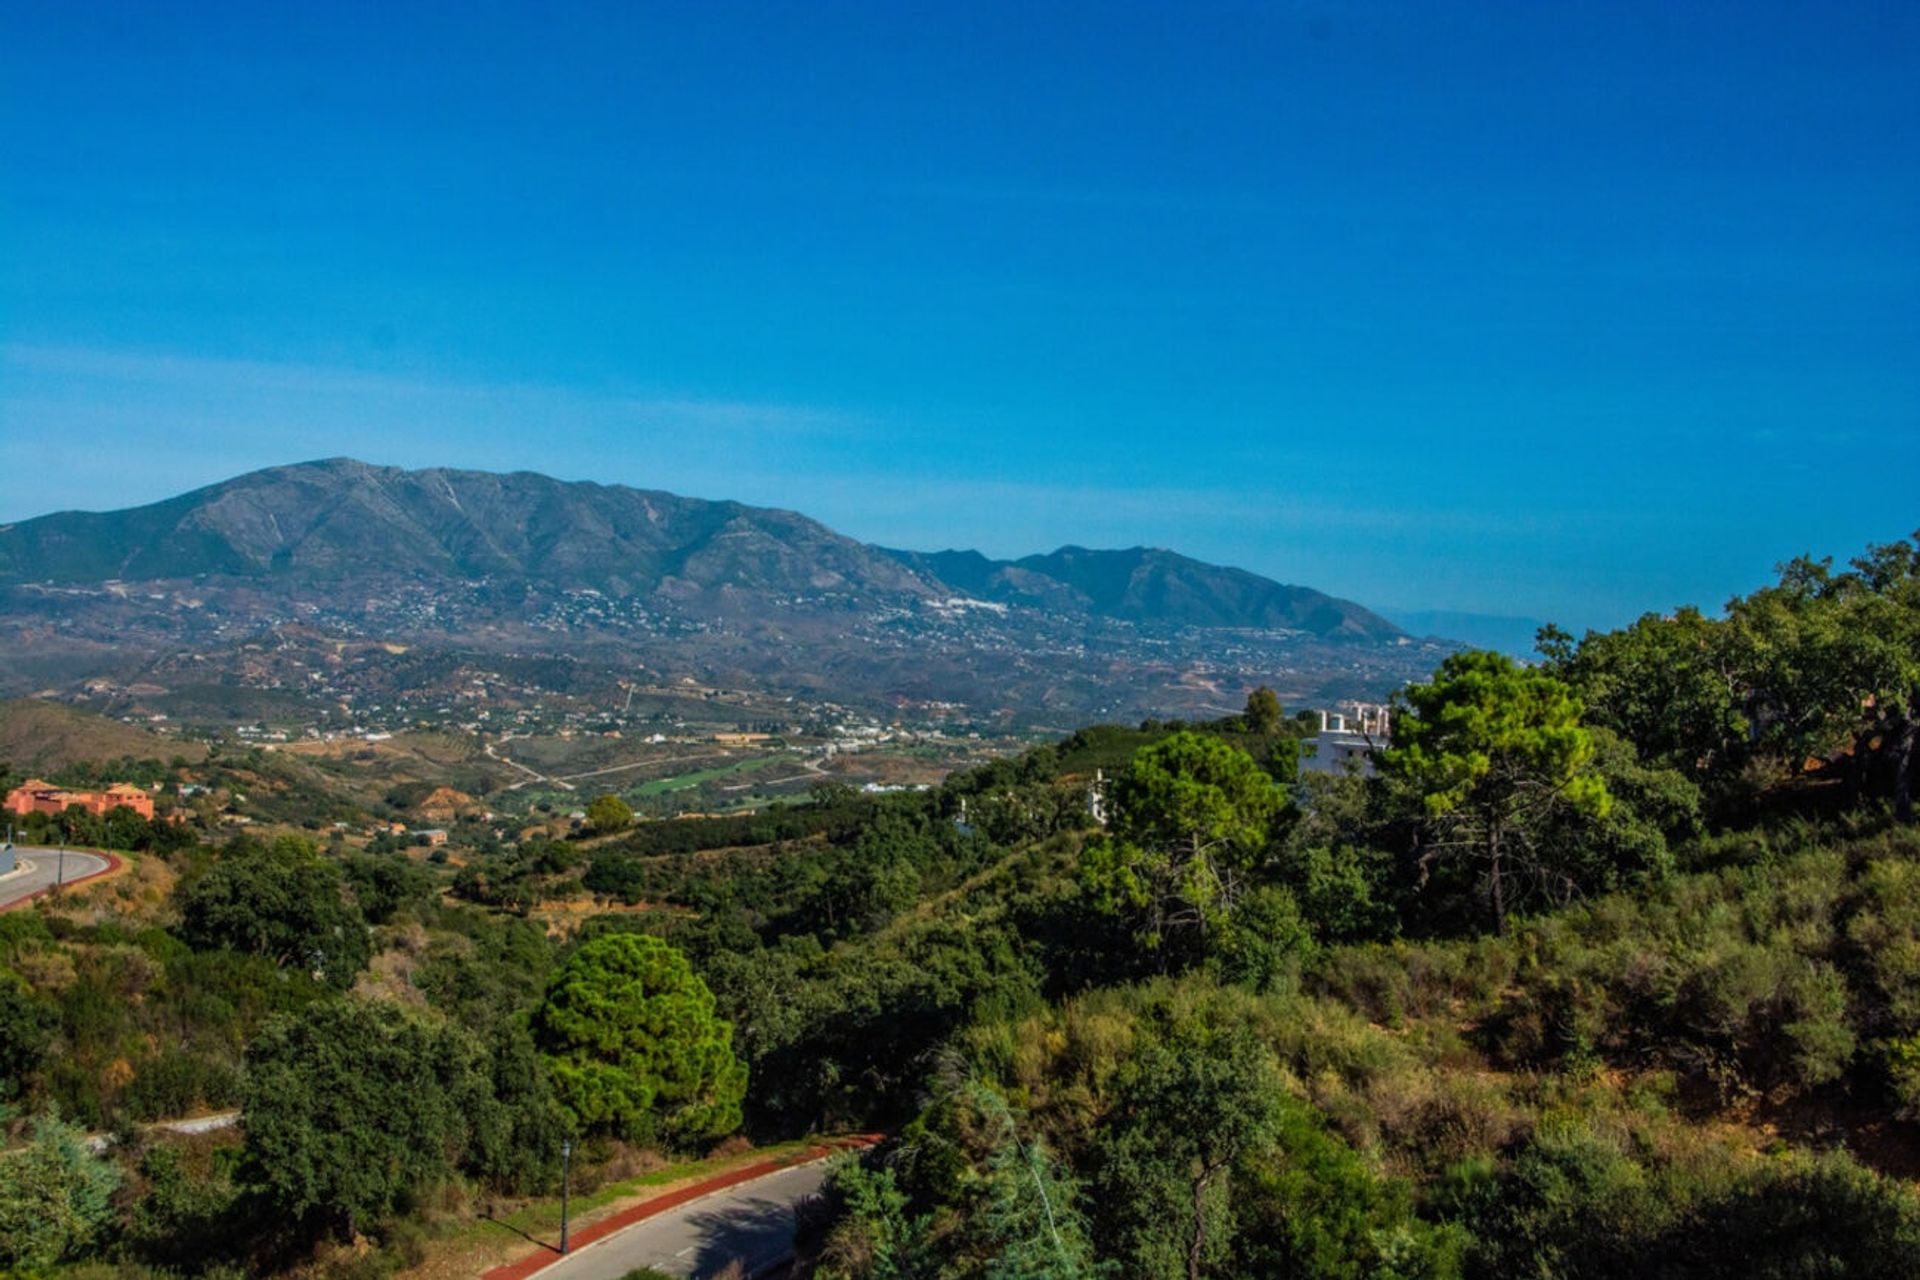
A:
x: 45, y: 870
x: 753, y: 1222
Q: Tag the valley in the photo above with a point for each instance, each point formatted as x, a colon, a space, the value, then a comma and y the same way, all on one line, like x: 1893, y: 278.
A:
x: 232, y: 607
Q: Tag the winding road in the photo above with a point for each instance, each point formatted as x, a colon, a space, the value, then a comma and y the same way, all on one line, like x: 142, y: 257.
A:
x: 533, y: 775
x: 43, y: 869
x: 752, y: 1224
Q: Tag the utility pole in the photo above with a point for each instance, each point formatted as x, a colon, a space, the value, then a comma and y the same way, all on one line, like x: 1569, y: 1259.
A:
x: 566, y: 1178
x: 60, y: 873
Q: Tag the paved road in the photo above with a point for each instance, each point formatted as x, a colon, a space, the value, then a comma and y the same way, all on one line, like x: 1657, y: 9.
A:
x: 45, y: 870
x: 752, y: 1222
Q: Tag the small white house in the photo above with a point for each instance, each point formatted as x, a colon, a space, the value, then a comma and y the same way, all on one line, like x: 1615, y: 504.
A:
x: 1347, y: 740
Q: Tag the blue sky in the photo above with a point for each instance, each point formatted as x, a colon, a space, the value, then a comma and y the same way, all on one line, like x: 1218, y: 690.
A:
x: 1562, y: 310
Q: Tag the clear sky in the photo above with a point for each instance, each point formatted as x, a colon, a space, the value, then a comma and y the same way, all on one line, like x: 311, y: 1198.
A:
x: 1554, y: 309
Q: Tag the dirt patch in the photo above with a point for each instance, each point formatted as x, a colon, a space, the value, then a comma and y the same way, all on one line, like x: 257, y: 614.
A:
x: 446, y: 802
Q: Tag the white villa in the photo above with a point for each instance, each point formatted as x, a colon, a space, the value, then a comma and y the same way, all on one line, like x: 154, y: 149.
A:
x: 1347, y: 739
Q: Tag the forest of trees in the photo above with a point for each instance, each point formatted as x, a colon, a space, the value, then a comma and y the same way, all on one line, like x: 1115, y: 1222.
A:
x: 1611, y: 966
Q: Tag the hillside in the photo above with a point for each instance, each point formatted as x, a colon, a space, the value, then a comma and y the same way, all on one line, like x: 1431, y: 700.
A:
x: 339, y: 519
x: 1663, y: 1023
x: 42, y: 737
x: 245, y: 599
x: 1150, y: 585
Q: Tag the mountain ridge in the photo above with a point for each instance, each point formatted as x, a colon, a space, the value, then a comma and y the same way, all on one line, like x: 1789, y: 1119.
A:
x: 1151, y: 584
x: 339, y: 582
x: 340, y: 519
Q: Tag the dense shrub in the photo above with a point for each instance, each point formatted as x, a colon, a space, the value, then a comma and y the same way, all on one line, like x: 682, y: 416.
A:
x: 55, y: 1198
x: 354, y: 1109
x: 1762, y: 977
x: 281, y: 900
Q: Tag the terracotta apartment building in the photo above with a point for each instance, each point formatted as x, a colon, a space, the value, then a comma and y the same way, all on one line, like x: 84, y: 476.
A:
x: 35, y: 796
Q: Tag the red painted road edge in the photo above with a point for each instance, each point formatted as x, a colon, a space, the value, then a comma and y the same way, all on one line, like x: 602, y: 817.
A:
x: 114, y: 863
x: 673, y: 1200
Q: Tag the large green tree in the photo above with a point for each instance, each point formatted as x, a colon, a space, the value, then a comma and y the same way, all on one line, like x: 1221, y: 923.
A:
x: 1193, y: 821
x: 1495, y: 752
x: 1887, y: 582
x: 282, y: 900
x: 609, y: 813
x: 1031, y: 1213
x: 634, y: 1046
x: 1830, y: 666
x: 353, y: 1107
x: 1263, y: 713
x: 1822, y: 666
x: 1668, y: 684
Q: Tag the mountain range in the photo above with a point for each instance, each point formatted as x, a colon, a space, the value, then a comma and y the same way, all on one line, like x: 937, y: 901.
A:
x: 520, y: 561
x: 339, y: 519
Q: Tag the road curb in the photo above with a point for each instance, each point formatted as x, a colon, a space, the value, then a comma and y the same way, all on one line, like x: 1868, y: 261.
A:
x: 115, y: 863
x: 614, y: 1225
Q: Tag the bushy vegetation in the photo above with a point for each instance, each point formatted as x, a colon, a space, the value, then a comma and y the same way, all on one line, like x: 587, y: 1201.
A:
x: 1609, y: 971
x: 1612, y: 967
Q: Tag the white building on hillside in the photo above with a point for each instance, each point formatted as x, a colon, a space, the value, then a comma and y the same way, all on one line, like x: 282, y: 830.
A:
x: 1347, y: 739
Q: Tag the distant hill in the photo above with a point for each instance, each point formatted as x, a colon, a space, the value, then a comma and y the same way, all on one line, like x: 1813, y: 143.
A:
x: 1146, y: 584
x: 41, y: 737
x: 340, y: 519
x: 358, y: 585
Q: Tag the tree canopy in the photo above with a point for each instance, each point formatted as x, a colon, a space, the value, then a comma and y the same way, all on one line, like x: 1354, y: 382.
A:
x: 55, y: 1198
x: 1263, y: 713
x: 1494, y: 750
x: 1187, y: 1113
x: 356, y: 1107
x: 609, y: 813
x: 634, y: 1046
x: 284, y: 901
x: 1818, y: 673
x: 1193, y: 819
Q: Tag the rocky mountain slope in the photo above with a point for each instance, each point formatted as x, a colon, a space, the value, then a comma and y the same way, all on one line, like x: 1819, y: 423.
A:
x: 340, y: 520
x: 631, y: 581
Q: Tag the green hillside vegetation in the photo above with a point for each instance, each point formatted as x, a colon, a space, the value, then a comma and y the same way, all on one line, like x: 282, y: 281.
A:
x: 1613, y: 969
